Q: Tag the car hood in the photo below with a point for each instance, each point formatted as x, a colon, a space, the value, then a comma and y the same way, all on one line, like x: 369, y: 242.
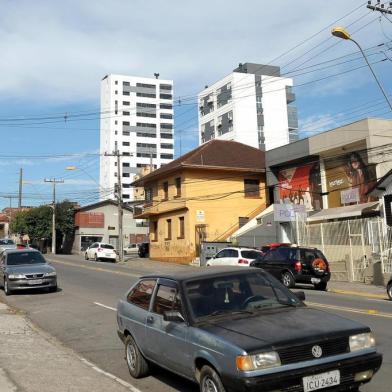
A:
x: 30, y: 269
x: 282, y: 327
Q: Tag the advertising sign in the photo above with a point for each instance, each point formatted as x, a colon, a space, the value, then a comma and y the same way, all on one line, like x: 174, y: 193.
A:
x: 349, y: 178
x: 288, y: 212
x: 301, y: 185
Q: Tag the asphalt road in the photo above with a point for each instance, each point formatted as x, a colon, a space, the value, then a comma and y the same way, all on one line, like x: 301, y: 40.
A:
x: 82, y: 316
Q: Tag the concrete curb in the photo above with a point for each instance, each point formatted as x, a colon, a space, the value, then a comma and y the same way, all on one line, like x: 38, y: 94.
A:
x: 358, y: 293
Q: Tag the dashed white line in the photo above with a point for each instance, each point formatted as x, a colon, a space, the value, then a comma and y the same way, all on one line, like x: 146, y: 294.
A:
x: 105, y: 306
x: 109, y: 375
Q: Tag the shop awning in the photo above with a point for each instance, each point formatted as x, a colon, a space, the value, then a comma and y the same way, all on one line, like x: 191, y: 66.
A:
x: 345, y: 212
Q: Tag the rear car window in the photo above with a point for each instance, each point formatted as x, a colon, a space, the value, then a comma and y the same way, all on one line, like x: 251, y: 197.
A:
x: 309, y: 255
x: 250, y: 254
x: 141, y: 294
x: 104, y: 246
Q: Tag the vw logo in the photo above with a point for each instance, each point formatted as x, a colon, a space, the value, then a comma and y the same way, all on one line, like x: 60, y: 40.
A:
x: 317, y: 351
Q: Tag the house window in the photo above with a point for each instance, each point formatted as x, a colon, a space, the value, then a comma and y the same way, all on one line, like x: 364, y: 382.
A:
x: 252, y: 188
x: 181, y: 227
x: 178, y: 187
x: 168, y: 229
x: 154, y: 231
x: 165, y: 190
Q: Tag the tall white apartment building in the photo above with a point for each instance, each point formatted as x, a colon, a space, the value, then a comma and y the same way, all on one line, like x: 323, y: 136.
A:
x: 252, y: 105
x: 136, y: 119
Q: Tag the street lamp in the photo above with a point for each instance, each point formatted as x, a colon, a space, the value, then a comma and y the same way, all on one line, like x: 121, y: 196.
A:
x: 341, y: 32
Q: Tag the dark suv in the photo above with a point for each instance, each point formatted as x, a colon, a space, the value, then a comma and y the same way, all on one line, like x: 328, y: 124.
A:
x: 389, y: 289
x: 294, y: 265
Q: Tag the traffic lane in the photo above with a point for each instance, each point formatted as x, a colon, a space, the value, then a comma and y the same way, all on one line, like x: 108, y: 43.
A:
x: 73, y: 317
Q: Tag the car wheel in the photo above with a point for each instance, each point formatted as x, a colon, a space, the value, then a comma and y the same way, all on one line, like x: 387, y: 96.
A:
x: 137, y: 364
x: 7, y: 290
x: 288, y: 280
x: 389, y: 291
x: 322, y: 286
x: 210, y: 380
x: 86, y: 256
x: 52, y: 289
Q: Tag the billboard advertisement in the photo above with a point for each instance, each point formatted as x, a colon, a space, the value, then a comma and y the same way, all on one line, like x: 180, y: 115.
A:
x: 349, y: 178
x: 301, y: 185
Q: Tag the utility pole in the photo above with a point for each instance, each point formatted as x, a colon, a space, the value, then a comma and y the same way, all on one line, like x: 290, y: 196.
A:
x: 118, y: 194
x: 380, y: 7
x: 20, y: 188
x: 54, y: 181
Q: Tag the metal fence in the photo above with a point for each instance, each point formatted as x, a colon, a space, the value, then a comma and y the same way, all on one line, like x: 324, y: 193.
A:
x: 350, y: 245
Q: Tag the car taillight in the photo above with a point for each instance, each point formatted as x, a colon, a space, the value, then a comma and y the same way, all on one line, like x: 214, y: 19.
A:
x: 99, y: 249
x: 298, y: 266
x: 243, y: 261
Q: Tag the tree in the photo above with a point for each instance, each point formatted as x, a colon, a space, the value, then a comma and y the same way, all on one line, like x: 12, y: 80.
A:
x: 37, y: 224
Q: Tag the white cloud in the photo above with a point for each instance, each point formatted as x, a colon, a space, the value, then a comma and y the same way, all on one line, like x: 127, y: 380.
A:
x: 60, y: 50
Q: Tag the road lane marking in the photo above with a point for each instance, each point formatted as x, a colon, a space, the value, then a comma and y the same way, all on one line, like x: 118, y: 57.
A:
x: 367, y: 312
x: 95, y: 268
x: 110, y: 375
x: 357, y: 293
x: 105, y: 306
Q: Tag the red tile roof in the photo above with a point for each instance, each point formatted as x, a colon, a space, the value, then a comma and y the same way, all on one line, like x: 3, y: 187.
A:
x: 215, y: 154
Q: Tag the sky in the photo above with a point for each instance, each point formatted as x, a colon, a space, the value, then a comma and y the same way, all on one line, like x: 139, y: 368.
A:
x: 54, y: 54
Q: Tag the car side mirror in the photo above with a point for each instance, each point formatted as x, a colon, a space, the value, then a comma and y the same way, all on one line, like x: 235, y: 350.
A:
x: 173, y: 315
x: 300, y: 295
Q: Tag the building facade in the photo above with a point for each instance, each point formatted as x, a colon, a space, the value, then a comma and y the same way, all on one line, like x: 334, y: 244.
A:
x: 205, y: 195
x: 252, y: 105
x: 98, y: 222
x: 136, y: 119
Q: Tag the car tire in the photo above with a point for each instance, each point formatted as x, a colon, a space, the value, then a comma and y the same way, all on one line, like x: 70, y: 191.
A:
x: 389, y: 291
x: 322, y: 286
x: 7, y: 290
x: 137, y: 364
x: 86, y: 256
x: 53, y: 289
x: 288, y: 280
x: 210, y: 380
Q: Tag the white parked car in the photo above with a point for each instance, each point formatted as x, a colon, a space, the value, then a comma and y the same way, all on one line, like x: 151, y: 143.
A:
x: 100, y: 251
x: 234, y: 256
x: 131, y: 249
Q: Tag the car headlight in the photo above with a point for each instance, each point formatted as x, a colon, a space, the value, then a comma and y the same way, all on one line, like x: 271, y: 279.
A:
x: 258, y: 361
x: 362, y: 341
x: 16, y: 276
x: 50, y: 273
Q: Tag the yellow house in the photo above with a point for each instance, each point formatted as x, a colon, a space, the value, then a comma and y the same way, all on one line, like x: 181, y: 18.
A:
x: 205, y: 195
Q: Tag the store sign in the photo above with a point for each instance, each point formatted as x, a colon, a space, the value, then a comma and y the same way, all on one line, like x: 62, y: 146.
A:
x: 349, y: 196
x: 288, y: 212
x: 200, y: 216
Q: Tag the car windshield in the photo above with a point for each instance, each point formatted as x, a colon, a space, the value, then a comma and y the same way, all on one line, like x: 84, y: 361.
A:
x: 104, y: 246
x: 23, y: 258
x: 7, y: 242
x: 237, y: 293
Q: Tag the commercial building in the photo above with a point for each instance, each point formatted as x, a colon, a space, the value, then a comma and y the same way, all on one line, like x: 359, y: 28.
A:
x: 205, y: 195
x: 136, y: 120
x: 98, y: 222
x: 252, y: 105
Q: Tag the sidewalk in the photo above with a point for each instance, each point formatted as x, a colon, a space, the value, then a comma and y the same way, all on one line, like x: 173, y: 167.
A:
x: 32, y: 361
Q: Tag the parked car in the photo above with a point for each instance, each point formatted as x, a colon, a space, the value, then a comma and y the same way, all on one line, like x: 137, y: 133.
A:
x: 236, y: 329
x: 23, y: 269
x: 234, y: 256
x: 100, y: 251
x: 294, y: 265
x: 389, y: 289
x: 144, y: 249
x: 131, y: 249
x: 6, y: 243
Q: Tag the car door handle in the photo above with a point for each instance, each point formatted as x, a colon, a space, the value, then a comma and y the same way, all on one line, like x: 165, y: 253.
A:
x: 150, y: 320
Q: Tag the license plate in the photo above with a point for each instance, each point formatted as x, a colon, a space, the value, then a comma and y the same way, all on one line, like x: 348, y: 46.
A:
x: 34, y: 281
x: 108, y: 255
x: 320, y: 381
x: 315, y: 280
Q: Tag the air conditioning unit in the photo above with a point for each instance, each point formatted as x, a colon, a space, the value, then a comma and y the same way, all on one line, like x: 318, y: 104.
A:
x: 219, y: 122
x: 210, y: 100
